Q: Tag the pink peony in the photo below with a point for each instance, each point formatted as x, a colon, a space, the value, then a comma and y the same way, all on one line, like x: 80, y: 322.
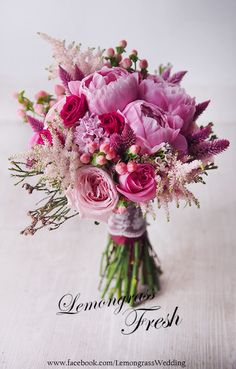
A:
x: 138, y: 186
x: 171, y: 98
x: 109, y: 89
x: 153, y: 127
x: 95, y: 195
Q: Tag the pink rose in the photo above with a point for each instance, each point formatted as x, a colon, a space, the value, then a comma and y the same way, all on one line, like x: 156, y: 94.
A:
x: 94, y: 195
x: 171, y: 98
x: 138, y: 186
x: 74, y: 108
x: 153, y: 127
x: 109, y: 89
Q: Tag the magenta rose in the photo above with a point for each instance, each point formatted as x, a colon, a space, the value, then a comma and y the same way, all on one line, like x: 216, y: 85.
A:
x: 94, y: 195
x: 171, y: 98
x: 153, y: 127
x: 109, y: 89
x: 74, y: 108
x: 138, y: 186
x: 112, y: 122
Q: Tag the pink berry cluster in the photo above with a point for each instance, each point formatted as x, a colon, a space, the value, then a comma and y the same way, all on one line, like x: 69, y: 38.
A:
x: 115, y: 58
x: 99, y: 155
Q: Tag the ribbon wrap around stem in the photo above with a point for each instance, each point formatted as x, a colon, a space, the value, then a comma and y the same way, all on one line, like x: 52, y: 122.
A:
x: 128, y: 227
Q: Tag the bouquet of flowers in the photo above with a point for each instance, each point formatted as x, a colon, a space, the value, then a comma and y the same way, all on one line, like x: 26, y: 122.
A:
x: 113, y: 139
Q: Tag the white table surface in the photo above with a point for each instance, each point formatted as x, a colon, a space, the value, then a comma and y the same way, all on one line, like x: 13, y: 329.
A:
x: 197, y: 251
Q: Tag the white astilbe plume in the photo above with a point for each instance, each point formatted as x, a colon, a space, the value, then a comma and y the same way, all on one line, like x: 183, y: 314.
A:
x: 90, y: 60
x: 182, y: 173
x: 172, y: 179
x: 59, y: 163
x: 147, y: 208
x: 70, y: 55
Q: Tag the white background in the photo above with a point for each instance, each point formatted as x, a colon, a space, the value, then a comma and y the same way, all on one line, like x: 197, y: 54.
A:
x: 197, y: 247
x: 198, y: 36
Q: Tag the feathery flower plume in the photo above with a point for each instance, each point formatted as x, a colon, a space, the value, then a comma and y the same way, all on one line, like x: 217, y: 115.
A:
x: 200, y: 108
x: 36, y: 124
x: 207, y: 149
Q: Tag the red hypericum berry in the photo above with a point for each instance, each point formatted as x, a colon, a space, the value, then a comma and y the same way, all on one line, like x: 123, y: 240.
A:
x: 134, y: 52
x: 126, y: 63
x: 123, y: 43
x: 143, y: 64
x: 101, y: 160
x: 110, y: 52
x: 121, y: 168
x: 85, y: 158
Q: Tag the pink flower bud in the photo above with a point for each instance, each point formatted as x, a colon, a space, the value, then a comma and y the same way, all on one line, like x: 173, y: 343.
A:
x: 40, y: 94
x: 131, y: 166
x: 143, y: 64
x: 134, y: 52
x: 85, y: 158
x: 134, y: 149
x: 105, y: 147
x: 121, y: 168
x: 93, y: 147
x: 126, y: 63
x: 39, y: 109
x: 123, y: 43
x: 121, y: 209
x: 110, y: 52
x: 21, y: 113
x: 101, y: 160
x: 59, y: 90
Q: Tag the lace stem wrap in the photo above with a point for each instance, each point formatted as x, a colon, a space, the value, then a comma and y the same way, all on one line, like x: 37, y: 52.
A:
x: 127, y: 227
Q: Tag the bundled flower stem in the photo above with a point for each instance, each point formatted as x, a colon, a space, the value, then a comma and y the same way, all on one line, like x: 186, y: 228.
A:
x: 128, y: 266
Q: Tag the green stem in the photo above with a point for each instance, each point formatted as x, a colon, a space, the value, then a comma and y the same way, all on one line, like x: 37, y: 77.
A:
x: 114, y: 270
x: 148, y: 268
x: 126, y: 276
x: 134, y: 280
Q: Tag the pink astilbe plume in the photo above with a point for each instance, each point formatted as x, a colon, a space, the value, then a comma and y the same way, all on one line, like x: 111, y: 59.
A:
x: 78, y: 74
x: 121, y: 142
x: 200, y: 108
x: 207, y: 149
x: 67, y: 77
x: 36, y: 124
x: 201, y: 135
x: 64, y: 76
x: 176, y: 78
x: 68, y: 56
